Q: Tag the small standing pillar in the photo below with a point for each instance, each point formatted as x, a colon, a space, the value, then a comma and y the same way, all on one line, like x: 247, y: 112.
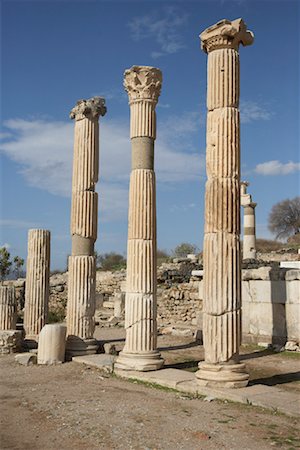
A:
x: 8, y: 308
x: 37, y: 284
x: 84, y: 215
x: 249, y: 240
x: 10, y: 338
x: 222, y: 269
x: 143, y: 85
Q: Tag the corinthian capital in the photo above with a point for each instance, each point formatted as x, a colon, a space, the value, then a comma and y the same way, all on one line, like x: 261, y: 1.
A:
x: 226, y: 34
x: 143, y: 83
x: 91, y: 109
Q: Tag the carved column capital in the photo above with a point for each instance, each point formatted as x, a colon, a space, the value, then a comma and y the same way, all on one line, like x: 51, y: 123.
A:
x: 143, y: 83
x: 226, y: 34
x: 90, y: 109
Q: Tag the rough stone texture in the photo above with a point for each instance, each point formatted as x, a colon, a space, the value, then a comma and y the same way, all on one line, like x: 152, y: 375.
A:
x: 143, y: 85
x: 84, y: 216
x: 52, y: 344
x: 8, y: 310
x: 10, y: 341
x: 26, y: 359
x: 81, y: 303
x: 37, y: 283
x: 178, y: 304
x: 221, y: 250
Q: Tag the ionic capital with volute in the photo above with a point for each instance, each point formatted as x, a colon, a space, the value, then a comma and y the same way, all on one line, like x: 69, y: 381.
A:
x: 226, y: 34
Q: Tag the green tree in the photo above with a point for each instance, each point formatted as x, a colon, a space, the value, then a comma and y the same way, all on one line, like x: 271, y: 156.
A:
x: 284, y: 218
x: 18, y: 263
x: 8, y: 266
x: 5, y: 263
x: 110, y: 261
x: 162, y: 256
x: 184, y: 249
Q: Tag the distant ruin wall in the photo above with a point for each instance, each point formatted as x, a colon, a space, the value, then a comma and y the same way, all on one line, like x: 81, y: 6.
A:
x: 270, y: 296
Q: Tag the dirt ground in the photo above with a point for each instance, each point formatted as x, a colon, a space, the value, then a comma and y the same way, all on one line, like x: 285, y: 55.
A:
x: 75, y: 407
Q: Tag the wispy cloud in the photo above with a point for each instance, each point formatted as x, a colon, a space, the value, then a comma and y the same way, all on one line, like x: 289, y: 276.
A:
x: 164, y: 29
x: 44, y: 153
x: 277, y: 168
x: 13, y: 223
x: 251, y: 111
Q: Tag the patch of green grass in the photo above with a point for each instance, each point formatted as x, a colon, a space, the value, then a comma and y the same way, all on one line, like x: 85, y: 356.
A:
x: 292, y: 355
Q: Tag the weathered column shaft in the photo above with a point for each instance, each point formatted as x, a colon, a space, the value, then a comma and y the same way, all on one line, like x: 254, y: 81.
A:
x: 81, y: 292
x: 221, y: 252
x: 84, y: 217
x: 249, y: 241
x: 143, y: 85
x: 8, y: 308
x: 37, y: 283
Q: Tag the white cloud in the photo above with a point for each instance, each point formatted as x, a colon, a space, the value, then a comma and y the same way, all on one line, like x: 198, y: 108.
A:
x: 164, y: 29
x: 277, y: 168
x: 13, y: 223
x: 44, y: 152
x: 251, y: 111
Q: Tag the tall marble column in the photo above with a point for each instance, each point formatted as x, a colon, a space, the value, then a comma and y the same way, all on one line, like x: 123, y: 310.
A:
x: 249, y: 238
x: 37, y: 284
x: 84, y: 214
x: 221, y: 252
x: 143, y: 85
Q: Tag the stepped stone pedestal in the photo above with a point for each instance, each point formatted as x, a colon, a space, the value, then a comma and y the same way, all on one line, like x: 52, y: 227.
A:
x: 52, y: 344
x: 221, y: 252
x: 37, y: 285
x: 84, y: 216
x: 143, y: 85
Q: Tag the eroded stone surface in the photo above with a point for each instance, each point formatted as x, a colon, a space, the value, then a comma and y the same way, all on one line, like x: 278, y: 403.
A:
x: 37, y: 283
x: 221, y: 250
x: 10, y: 341
x: 52, y: 344
x: 84, y: 216
x: 143, y: 85
x: 8, y: 308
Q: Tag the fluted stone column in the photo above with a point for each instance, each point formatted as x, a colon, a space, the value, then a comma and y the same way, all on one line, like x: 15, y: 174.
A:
x: 143, y: 85
x: 37, y: 284
x: 222, y: 270
x: 8, y: 308
x: 249, y: 238
x: 84, y: 215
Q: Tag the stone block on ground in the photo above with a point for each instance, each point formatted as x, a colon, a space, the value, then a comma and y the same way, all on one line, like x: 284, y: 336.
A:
x: 26, y: 359
x: 10, y: 341
x: 52, y: 344
x: 113, y: 348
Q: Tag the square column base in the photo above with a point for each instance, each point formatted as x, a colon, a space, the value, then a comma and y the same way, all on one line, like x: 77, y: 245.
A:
x: 142, y: 362
x: 75, y: 346
x: 222, y: 375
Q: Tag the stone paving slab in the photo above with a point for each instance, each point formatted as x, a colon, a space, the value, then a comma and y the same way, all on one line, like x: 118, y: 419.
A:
x: 99, y: 361
x: 269, y: 397
x: 171, y: 378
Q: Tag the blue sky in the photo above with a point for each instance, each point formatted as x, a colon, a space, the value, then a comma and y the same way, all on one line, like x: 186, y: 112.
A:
x: 56, y: 52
